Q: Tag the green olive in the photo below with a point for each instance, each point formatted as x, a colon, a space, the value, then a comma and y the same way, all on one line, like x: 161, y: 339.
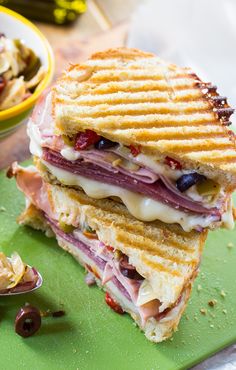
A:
x: 117, y: 254
x: 208, y: 187
x: 65, y: 227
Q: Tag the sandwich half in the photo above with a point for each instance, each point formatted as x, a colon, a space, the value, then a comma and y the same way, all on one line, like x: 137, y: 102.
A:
x: 146, y: 270
x: 129, y: 126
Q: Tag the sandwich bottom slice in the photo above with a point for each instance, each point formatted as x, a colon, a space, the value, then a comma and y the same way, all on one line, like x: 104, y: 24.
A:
x: 146, y: 270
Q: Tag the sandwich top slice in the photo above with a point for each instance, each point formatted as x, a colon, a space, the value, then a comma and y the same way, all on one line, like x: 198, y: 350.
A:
x: 146, y: 270
x: 128, y: 125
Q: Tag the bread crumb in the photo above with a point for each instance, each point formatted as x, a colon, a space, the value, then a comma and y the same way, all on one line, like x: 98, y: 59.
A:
x: 199, y: 287
x: 212, y: 326
x: 2, y: 209
x: 203, y: 311
x: 230, y: 245
x: 222, y: 293
x: 212, y: 302
x: 224, y: 311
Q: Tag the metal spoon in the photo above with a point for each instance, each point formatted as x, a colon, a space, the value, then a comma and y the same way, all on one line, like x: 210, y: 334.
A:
x: 38, y: 285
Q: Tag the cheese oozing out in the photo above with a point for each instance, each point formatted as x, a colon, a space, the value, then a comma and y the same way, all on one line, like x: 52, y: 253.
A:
x: 141, y: 207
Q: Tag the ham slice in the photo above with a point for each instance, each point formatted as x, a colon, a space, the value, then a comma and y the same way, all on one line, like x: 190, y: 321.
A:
x: 157, y: 191
x: 106, y: 159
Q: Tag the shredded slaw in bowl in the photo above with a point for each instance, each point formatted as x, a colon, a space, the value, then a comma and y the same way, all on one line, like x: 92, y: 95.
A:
x: 21, y: 72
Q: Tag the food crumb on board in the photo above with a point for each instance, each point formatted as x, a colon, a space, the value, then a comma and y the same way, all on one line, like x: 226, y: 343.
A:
x: 212, y: 326
x: 212, y: 302
x: 2, y: 209
x: 203, y: 311
x: 230, y: 245
x: 199, y: 287
x: 222, y: 293
x: 224, y: 311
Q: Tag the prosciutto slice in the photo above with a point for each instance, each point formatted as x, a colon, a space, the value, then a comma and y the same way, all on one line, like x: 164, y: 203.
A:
x: 157, y: 190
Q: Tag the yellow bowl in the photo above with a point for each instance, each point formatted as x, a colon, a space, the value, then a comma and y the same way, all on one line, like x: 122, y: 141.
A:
x: 13, y: 25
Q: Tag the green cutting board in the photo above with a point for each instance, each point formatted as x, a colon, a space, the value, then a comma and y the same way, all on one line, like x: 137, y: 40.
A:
x: 91, y: 336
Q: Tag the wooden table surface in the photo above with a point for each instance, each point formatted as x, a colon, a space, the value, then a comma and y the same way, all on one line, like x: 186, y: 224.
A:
x: 104, y: 25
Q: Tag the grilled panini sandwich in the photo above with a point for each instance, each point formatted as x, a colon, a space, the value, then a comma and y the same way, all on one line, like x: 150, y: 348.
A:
x: 146, y: 270
x: 152, y: 135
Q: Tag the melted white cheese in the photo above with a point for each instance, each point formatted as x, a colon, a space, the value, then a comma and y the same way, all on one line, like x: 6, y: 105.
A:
x: 69, y: 153
x: 145, y: 293
x: 35, y: 139
x: 141, y: 207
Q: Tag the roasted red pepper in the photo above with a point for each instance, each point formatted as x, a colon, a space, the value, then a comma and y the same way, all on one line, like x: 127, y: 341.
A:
x: 113, y: 304
x: 135, y: 150
x: 84, y: 139
x: 173, y: 163
x: 111, y: 249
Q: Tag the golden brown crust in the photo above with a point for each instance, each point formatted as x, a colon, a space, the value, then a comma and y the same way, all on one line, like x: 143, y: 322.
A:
x: 135, y: 98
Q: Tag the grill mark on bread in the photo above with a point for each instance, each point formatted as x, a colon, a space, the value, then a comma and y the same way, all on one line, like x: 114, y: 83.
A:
x: 170, y: 241
x: 141, y: 109
x: 133, y: 75
x: 123, y: 77
x: 159, y: 267
x: 124, y: 86
x: 133, y: 241
x: 145, y: 121
x: 127, y: 97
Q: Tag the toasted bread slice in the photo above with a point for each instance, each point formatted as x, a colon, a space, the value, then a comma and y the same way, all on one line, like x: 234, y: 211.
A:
x: 164, y: 254
x: 133, y: 97
x: 154, y: 330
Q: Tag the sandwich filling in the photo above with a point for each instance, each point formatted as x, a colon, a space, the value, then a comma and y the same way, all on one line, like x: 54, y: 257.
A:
x: 151, y: 188
x: 109, y: 266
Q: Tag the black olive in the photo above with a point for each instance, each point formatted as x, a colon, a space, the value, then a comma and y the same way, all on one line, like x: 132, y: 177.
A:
x: 129, y: 270
x: 104, y: 144
x: 28, y: 321
x: 188, y: 180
